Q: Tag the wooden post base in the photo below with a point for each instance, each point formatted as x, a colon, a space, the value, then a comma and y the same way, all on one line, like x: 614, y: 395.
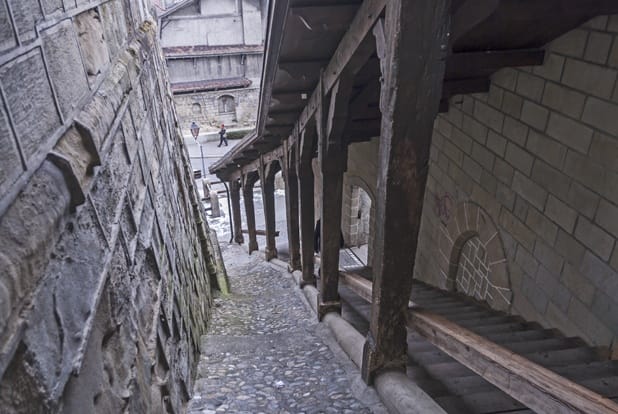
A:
x: 270, y: 253
x: 326, y: 307
x: 374, y: 362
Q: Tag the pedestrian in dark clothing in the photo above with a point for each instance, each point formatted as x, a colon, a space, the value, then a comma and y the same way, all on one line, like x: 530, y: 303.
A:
x: 222, y: 136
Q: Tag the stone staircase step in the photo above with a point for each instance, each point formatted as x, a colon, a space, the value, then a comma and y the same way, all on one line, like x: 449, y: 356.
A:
x: 607, y: 386
x: 547, y: 344
x: 459, y: 390
x: 453, y: 405
x: 520, y: 336
x: 563, y: 357
x: 494, y: 401
x: 591, y: 370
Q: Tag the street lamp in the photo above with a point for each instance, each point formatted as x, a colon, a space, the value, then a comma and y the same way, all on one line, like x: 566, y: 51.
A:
x: 195, y: 131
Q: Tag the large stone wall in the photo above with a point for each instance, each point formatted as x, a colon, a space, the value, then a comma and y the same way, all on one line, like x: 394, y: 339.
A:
x: 531, y: 169
x: 105, y: 264
x: 216, y: 67
x: 219, y: 23
x: 203, y: 108
x: 228, y: 31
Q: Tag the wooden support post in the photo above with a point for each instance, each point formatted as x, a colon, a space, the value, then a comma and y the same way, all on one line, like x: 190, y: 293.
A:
x: 331, y: 117
x: 235, y: 198
x: 267, y: 181
x: 412, y: 45
x: 247, y: 190
x: 304, y: 172
x: 291, y: 204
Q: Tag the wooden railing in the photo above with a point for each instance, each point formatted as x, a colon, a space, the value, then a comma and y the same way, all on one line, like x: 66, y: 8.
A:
x: 534, y: 386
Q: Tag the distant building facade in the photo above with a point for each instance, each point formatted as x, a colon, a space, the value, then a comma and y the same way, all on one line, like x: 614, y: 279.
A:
x: 214, y: 51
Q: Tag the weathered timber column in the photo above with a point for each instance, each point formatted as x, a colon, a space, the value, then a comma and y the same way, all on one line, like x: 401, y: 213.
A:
x: 307, y: 212
x: 247, y: 192
x: 412, y: 46
x: 331, y: 117
x: 330, y: 233
x: 267, y: 181
x: 291, y: 204
x: 235, y: 199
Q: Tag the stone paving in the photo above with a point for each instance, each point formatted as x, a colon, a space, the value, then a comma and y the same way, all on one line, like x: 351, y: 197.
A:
x: 265, y: 352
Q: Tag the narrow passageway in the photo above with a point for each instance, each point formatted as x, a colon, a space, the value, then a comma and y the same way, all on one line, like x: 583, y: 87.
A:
x: 266, y: 353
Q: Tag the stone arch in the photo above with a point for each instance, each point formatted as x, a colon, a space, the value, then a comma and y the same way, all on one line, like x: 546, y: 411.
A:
x: 357, y: 181
x: 196, y: 109
x: 358, y: 214
x: 226, y: 104
x: 473, y: 258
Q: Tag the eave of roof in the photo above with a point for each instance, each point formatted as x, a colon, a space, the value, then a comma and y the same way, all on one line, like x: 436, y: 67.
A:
x: 210, y: 85
x: 176, y: 7
x: 179, y: 52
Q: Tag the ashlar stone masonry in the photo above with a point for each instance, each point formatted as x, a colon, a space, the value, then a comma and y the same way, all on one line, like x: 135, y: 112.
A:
x: 106, y: 263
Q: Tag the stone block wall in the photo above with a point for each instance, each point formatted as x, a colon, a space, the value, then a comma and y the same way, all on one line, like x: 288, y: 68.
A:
x: 530, y: 171
x: 204, y: 109
x: 361, y: 174
x: 105, y: 264
x: 216, y: 67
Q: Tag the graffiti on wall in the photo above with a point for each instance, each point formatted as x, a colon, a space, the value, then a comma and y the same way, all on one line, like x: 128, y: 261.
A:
x: 443, y: 205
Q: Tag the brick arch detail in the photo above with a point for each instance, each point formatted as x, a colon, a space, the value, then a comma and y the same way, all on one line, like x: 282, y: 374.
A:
x: 349, y: 220
x: 357, y: 181
x: 468, y: 221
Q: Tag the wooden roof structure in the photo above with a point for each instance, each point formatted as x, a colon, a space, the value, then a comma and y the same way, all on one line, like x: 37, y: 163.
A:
x: 339, y: 72
x: 306, y: 37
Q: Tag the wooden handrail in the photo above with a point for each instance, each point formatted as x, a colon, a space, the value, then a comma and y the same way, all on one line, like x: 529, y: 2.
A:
x: 260, y: 232
x: 534, y: 386
x: 358, y: 284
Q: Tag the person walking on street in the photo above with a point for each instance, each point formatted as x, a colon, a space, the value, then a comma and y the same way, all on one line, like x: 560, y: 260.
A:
x: 222, y: 136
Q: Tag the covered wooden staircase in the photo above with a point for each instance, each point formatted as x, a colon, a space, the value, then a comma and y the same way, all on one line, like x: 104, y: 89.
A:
x: 534, y: 369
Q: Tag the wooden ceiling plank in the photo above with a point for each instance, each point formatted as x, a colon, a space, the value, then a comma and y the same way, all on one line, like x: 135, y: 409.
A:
x: 469, y: 64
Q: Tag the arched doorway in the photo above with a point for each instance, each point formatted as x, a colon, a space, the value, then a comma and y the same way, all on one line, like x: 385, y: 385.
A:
x: 358, y: 220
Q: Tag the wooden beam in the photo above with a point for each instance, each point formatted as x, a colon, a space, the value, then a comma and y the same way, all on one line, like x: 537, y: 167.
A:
x: 287, y: 117
x: 259, y: 232
x: 267, y: 182
x: 233, y: 174
x: 304, y: 171
x: 343, y: 58
x: 288, y: 167
x: 274, y: 39
x: 331, y: 118
x: 273, y: 155
x: 534, y: 386
x: 251, y: 167
x: 235, y: 200
x: 247, y: 188
x: 357, y: 284
x: 324, y: 17
x: 278, y: 130
x: 465, y: 86
x: 362, y: 130
x: 527, y: 382
x: 345, y: 53
x: 412, y: 49
x: 289, y: 93
x: 300, y: 69
x: 473, y: 64
x: 470, y: 14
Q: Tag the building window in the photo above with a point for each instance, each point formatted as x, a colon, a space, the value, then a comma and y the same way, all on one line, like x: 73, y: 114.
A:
x: 227, y: 104
x: 473, y: 270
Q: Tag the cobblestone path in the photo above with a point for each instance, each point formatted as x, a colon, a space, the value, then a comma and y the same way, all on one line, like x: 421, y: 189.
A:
x: 265, y: 353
